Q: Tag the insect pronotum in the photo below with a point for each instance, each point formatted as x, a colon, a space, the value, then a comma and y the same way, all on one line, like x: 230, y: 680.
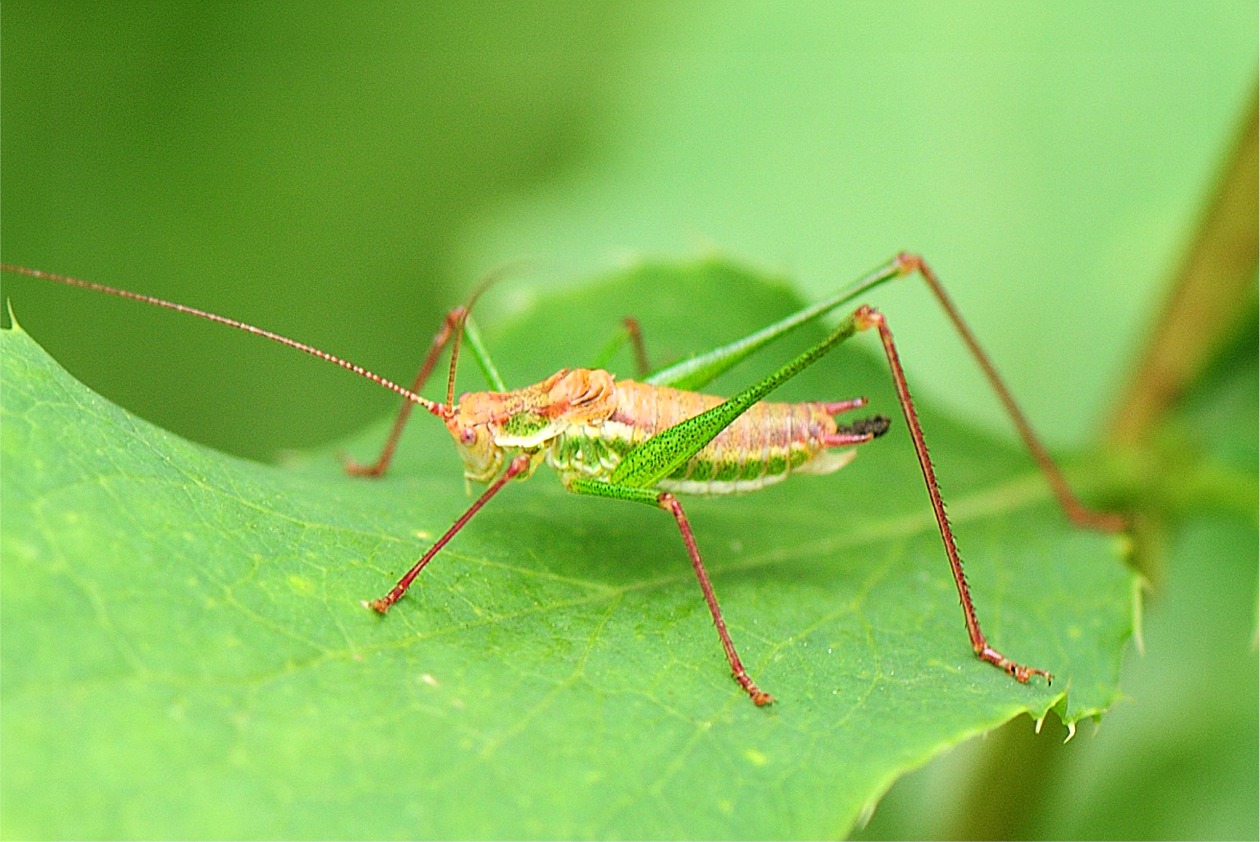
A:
x: 649, y: 441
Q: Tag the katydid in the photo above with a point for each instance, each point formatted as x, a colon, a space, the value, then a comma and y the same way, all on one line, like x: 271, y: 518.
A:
x: 650, y: 440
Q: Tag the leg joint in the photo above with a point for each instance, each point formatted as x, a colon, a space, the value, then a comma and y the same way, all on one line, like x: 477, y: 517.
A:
x: 867, y: 317
x: 908, y: 263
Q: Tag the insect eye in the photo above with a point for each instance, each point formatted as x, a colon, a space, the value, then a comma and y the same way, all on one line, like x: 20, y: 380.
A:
x: 468, y: 435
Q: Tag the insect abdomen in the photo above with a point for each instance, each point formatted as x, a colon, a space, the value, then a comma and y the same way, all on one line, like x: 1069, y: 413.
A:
x: 761, y: 447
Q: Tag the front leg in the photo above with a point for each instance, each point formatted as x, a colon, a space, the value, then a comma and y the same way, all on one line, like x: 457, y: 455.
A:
x: 519, y: 465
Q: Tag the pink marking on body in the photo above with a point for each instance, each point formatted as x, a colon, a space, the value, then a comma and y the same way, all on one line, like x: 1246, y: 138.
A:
x: 846, y: 439
x: 837, y: 407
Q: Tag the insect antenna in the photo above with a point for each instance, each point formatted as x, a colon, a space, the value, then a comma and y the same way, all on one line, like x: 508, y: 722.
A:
x: 434, y: 408
x: 460, y: 317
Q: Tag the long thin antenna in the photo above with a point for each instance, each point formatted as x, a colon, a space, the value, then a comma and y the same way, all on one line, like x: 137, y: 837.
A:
x: 434, y: 408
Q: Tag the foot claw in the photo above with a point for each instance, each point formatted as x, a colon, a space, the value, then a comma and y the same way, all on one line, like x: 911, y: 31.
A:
x: 1022, y: 673
x: 354, y: 469
x: 759, y: 697
x: 380, y: 606
x: 1019, y: 672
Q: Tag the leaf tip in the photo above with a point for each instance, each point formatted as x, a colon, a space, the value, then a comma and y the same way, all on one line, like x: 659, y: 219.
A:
x: 867, y: 812
x: 10, y: 322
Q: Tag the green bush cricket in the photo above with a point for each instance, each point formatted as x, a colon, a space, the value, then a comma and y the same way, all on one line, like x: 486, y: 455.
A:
x: 649, y: 441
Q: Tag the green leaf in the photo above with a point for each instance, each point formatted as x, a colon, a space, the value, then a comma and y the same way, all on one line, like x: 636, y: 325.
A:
x: 184, y: 652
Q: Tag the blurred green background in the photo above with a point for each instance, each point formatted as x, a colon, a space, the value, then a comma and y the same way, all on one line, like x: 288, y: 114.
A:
x: 343, y: 174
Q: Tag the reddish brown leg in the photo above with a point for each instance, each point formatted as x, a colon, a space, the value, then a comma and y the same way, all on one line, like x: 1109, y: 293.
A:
x: 636, y: 342
x: 451, y: 327
x: 670, y: 503
x: 631, y: 332
x: 515, y: 468
x: 1075, y: 510
x: 865, y: 318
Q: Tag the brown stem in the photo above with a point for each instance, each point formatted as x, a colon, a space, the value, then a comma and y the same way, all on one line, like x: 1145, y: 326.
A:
x: 1211, y: 295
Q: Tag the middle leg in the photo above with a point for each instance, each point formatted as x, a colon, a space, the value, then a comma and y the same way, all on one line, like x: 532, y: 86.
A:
x: 668, y: 502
